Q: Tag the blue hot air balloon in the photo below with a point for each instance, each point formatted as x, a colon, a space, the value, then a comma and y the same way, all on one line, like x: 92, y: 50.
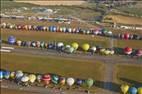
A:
x: 6, y: 74
x: 132, y: 90
x: 1, y: 75
x: 11, y: 39
x: 79, y: 82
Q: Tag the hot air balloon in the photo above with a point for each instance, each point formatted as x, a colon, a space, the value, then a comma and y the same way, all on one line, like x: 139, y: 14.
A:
x: 33, y: 44
x: 11, y: 39
x: 107, y: 52
x: 139, y: 52
x: 6, y: 74
x: 132, y: 90
x: 126, y: 36
x: 128, y: 50
x: 124, y: 88
x: 19, y: 42
x: 28, y: 43
x: 69, y: 50
x: 85, y: 47
x: 38, y: 44
x: 1, y: 75
x: 102, y: 50
x: 25, y: 80
x: 32, y: 78
x: 93, y: 49
x: 39, y: 78
x: 60, y: 44
x: 18, y: 74
x: 42, y: 44
x: 112, y: 52
x: 75, y: 45
x: 12, y: 75
x: 55, y: 79
x: 89, y: 82
x: 46, y: 79
x: 62, y: 80
x: 70, y: 81
x: 140, y: 90
x: 79, y: 82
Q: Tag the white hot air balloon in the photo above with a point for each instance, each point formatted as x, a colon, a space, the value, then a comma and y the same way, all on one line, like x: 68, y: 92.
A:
x: 70, y: 81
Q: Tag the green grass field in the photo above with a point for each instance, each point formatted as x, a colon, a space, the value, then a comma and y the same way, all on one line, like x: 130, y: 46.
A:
x: 130, y: 74
x: 47, y: 64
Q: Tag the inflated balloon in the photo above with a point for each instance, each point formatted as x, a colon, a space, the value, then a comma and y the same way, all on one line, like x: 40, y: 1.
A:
x: 69, y: 50
x: 75, y: 45
x: 124, y: 88
x: 128, y: 50
x: 132, y: 90
x: 6, y: 74
x: 60, y: 44
x: 12, y: 75
x: 93, y: 48
x: 107, y: 52
x: 25, y: 79
x: 42, y: 44
x: 19, y: 74
x: 139, y: 52
x: 38, y: 43
x: 19, y: 42
x: 32, y: 78
x: 46, y: 79
x: 62, y: 80
x: 85, y: 47
x: 126, y: 36
x: 140, y: 90
x: 11, y: 39
x: 70, y: 81
x: 1, y: 74
x: 112, y: 52
x: 79, y: 82
x: 39, y: 78
x: 55, y: 79
x: 89, y: 82
x: 102, y: 50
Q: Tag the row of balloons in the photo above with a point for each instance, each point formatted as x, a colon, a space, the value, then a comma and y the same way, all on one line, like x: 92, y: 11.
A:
x: 126, y: 89
x: 23, y: 78
x: 60, y: 46
x: 99, y: 31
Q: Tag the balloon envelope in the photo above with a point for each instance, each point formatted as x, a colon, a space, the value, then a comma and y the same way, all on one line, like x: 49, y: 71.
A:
x: 89, y: 82
x: 55, y: 79
x: 32, y: 78
x: 127, y: 50
x: 140, y: 90
x: 124, y: 88
x: 70, y: 81
x: 132, y: 90
x: 62, y: 80
x: 1, y: 74
x: 85, y: 47
x: 75, y: 45
x: 11, y: 39
x: 25, y: 79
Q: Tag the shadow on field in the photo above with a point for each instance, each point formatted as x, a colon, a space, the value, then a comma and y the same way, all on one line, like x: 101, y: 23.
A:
x: 108, y: 86
x: 132, y: 82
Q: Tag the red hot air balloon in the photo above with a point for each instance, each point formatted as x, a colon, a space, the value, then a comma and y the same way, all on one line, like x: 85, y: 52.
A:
x: 128, y: 50
x: 46, y: 79
x: 126, y: 36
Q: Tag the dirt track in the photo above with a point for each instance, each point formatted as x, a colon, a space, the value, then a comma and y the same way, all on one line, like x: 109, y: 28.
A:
x: 58, y: 2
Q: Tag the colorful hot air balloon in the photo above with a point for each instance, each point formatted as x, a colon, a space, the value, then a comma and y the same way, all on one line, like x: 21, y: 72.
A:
x: 79, y: 82
x: 139, y: 52
x: 12, y: 75
x: 126, y: 36
x: 124, y: 88
x: 85, y: 47
x: 60, y: 44
x: 70, y: 81
x: 55, y: 79
x: 25, y: 79
x: 75, y: 45
x: 1, y: 74
x: 89, y: 82
x: 18, y: 74
x: 128, y: 50
x: 6, y: 74
x: 38, y: 44
x: 32, y: 78
x: 140, y: 90
x: 42, y: 44
x: 132, y: 90
x: 46, y: 79
x: 11, y: 39
x: 62, y: 80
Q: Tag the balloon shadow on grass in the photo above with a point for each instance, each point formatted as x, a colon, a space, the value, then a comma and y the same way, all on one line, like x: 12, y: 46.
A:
x: 110, y: 86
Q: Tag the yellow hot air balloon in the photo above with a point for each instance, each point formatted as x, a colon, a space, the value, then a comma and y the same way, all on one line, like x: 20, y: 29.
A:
x: 140, y: 90
x: 85, y: 47
x: 124, y: 88
x: 75, y: 45
x: 32, y: 78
